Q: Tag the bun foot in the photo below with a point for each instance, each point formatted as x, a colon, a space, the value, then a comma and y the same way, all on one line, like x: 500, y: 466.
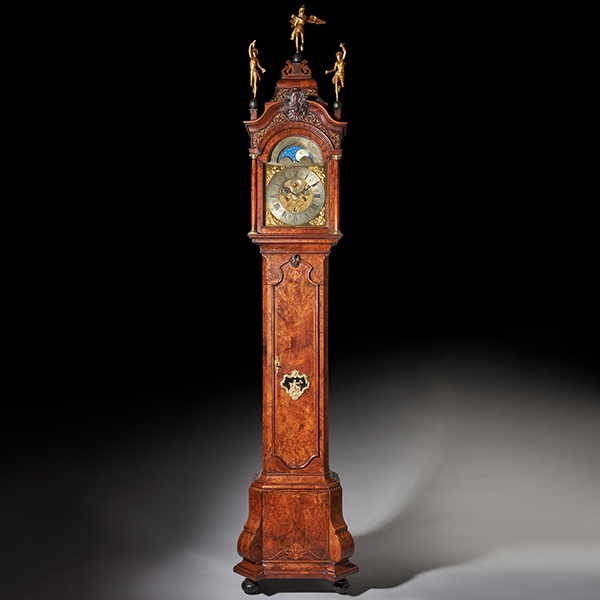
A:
x: 249, y: 586
x: 342, y: 586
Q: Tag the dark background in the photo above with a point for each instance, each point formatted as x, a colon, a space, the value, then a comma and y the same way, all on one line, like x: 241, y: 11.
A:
x: 133, y: 289
x: 465, y: 209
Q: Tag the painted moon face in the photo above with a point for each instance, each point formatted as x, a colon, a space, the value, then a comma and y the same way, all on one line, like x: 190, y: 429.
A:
x: 294, y: 153
x: 302, y: 153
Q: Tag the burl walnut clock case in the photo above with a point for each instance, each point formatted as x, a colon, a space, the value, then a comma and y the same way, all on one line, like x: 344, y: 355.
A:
x: 295, y: 527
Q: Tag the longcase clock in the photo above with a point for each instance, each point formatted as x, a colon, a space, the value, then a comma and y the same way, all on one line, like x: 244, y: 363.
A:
x: 295, y: 527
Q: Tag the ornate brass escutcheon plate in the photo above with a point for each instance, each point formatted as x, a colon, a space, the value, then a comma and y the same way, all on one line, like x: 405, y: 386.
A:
x: 295, y: 384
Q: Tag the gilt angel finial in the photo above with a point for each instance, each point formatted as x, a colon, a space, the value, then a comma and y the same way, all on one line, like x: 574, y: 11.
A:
x: 254, y: 67
x: 298, y: 21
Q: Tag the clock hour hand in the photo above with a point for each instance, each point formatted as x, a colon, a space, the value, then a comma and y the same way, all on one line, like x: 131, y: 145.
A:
x: 302, y: 191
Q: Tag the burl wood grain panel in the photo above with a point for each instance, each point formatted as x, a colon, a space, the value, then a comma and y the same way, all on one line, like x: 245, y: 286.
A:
x: 296, y: 526
x: 296, y: 421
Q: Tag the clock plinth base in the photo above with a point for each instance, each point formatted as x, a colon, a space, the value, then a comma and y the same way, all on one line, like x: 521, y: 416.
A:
x: 295, y: 530
x: 303, y: 570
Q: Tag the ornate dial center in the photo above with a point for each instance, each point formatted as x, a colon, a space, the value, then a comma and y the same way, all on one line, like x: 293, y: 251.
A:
x: 296, y: 195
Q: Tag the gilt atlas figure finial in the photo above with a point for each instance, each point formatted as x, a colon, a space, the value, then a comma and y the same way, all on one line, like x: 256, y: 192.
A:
x: 254, y: 67
x: 339, y: 70
x: 298, y: 21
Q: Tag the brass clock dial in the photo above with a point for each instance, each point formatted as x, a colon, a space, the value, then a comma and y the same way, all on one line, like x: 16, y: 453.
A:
x: 296, y: 195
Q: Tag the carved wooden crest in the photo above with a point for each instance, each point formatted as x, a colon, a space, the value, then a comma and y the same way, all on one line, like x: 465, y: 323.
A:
x: 296, y: 104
